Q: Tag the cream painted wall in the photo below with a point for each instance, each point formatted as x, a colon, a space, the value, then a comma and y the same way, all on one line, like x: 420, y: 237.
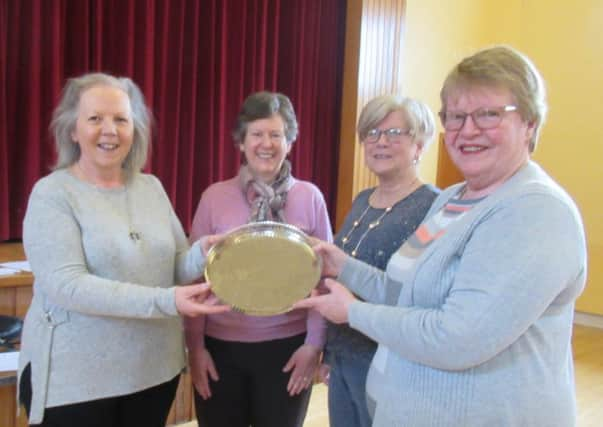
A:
x: 438, y: 34
x: 566, y: 43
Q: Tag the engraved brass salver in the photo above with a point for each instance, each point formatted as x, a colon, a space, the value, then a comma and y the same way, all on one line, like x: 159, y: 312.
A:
x: 262, y: 268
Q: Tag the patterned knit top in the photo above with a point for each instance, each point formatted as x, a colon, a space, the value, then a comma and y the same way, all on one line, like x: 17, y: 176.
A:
x: 375, y: 249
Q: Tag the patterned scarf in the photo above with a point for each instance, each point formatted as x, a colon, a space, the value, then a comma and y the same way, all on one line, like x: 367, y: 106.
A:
x: 267, y: 201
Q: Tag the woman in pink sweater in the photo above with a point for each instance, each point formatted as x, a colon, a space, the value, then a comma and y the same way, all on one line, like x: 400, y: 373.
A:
x: 258, y: 370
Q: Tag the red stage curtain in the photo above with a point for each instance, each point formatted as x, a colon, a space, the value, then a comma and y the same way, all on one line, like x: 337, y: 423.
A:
x: 195, y: 60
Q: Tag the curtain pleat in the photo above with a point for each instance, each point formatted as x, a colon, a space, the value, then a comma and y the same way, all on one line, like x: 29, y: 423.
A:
x: 4, y: 171
x: 195, y: 60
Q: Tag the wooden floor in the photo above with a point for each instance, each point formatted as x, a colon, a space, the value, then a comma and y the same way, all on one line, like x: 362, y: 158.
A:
x: 588, y: 356
x: 317, y: 416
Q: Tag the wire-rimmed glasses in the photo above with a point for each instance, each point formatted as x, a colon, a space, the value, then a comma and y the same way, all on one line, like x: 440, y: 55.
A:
x: 483, y: 118
x: 394, y: 135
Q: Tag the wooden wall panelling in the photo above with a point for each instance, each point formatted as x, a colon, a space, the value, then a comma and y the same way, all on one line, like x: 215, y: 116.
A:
x: 182, y: 409
x: 447, y: 173
x: 349, y: 111
x: 8, y: 408
x: 373, y: 64
x: 7, y: 401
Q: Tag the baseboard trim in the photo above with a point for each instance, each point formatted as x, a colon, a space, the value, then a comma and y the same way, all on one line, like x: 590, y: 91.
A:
x: 588, y: 319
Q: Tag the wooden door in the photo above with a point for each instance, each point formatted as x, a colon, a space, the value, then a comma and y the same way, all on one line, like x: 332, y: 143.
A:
x: 447, y: 173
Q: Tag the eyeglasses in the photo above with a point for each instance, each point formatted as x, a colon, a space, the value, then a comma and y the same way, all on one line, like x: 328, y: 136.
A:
x: 391, y: 135
x: 483, y: 118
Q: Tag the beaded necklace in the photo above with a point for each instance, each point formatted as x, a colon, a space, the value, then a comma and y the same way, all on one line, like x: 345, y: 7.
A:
x: 355, y: 225
x: 374, y: 224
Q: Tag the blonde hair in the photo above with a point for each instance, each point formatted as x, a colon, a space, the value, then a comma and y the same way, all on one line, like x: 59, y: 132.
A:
x: 507, y: 68
x: 65, y: 115
x: 419, y: 117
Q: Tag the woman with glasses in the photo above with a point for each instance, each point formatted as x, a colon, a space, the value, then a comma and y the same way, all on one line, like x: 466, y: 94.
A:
x: 394, y: 132
x: 258, y: 370
x: 473, y: 315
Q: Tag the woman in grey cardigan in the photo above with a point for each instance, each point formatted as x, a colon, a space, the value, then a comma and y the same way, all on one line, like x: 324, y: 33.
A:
x: 473, y: 315
x: 102, y: 343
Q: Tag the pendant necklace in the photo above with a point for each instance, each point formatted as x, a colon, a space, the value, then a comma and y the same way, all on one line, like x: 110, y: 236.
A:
x: 373, y: 224
x: 134, y: 235
x: 357, y: 222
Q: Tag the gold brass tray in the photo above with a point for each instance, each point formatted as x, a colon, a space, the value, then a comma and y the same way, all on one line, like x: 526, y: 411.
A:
x: 262, y: 268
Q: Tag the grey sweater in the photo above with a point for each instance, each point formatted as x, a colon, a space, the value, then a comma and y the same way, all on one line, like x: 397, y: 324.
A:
x: 481, y: 334
x: 103, y: 320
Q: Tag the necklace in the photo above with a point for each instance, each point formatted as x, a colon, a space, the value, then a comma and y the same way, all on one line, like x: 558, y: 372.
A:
x: 371, y: 226
x: 374, y: 224
x: 134, y: 235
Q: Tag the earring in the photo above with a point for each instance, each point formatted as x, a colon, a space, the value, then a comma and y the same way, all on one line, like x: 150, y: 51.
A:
x: 415, y: 161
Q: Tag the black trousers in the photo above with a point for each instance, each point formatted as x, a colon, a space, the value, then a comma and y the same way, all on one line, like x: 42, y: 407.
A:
x: 146, y: 408
x: 252, y: 389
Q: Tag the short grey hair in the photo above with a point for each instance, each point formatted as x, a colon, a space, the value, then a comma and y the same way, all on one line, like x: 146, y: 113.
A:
x: 502, y: 67
x: 418, y: 115
x: 65, y: 115
x: 263, y: 105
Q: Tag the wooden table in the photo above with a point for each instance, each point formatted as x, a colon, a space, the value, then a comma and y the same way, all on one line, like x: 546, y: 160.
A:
x: 15, y: 296
x: 15, y: 290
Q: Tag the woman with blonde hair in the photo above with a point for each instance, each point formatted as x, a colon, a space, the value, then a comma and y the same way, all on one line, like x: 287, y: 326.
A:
x: 473, y: 314
x: 394, y: 132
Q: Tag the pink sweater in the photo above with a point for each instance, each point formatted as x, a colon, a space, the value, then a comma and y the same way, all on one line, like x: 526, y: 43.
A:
x: 223, y: 207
